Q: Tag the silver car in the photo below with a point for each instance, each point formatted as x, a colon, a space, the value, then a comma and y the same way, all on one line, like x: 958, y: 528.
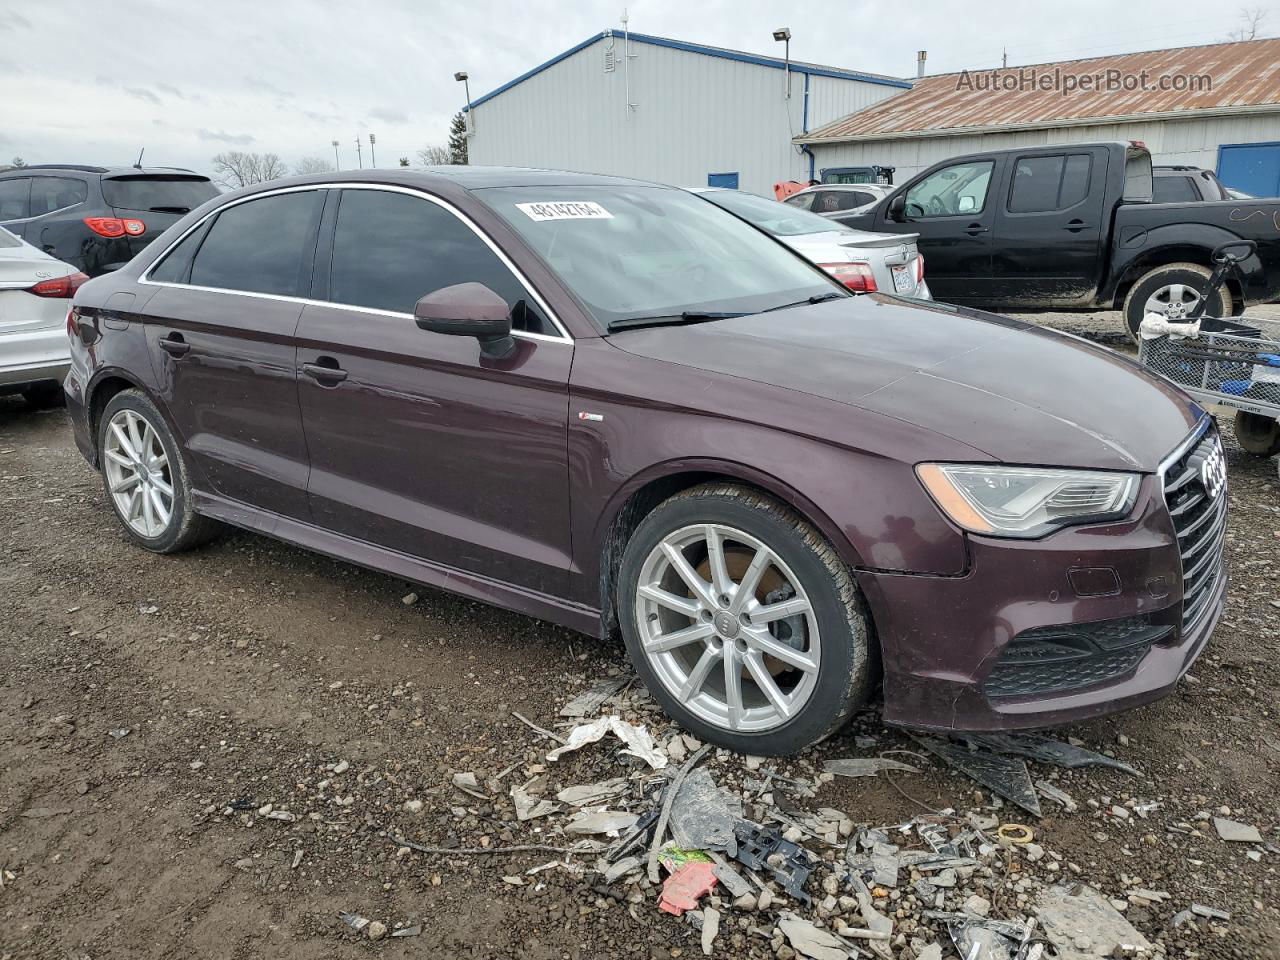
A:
x: 839, y: 199
x: 863, y: 262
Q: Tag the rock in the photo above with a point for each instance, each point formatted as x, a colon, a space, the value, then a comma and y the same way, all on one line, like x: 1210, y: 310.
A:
x: 342, y: 766
x: 1082, y: 925
x: 978, y: 906
x: 765, y: 900
x: 409, y: 599
x: 746, y: 902
x: 413, y: 806
x: 811, y: 941
x: 376, y: 930
x: 710, y: 927
x: 1235, y: 832
x: 44, y: 813
x: 675, y: 750
x: 1211, y: 913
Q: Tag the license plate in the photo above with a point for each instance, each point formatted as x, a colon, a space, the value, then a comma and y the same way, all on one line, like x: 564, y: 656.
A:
x: 902, y: 280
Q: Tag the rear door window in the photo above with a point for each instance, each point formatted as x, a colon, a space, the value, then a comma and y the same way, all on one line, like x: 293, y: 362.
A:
x: 13, y: 198
x: 1049, y: 184
x: 392, y: 249
x: 49, y: 194
x: 1173, y: 190
x: 159, y: 193
x: 802, y: 200
x: 261, y: 246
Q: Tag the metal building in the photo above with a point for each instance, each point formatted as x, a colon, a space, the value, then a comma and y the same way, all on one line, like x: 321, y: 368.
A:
x: 666, y: 110
x: 1214, y: 106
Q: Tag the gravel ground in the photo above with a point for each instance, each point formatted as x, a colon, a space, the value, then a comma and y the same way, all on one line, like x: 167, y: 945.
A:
x: 154, y: 706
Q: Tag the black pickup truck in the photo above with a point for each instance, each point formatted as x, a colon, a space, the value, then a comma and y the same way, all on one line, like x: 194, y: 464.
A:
x: 1073, y: 227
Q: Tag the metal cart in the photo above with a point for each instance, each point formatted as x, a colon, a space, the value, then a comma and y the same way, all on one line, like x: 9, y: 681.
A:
x: 1233, y: 362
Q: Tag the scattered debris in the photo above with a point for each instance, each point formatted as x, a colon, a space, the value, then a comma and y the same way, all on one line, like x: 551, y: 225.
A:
x: 528, y: 806
x: 593, y: 698
x: 119, y: 733
x: 1015, y: 833
x: 355, y: 921
x: 1234, y: 832
x: 731, y: 879
x: 811, y: 941
x: 686, y: 886
x: 615, y: 871
x: 1000, y: 774
x: 668, y: 798
x: 1082, y: 925
x: 467, y: 783
x: 1045, y: 750
x: 639, y: 743
x: 761, y: 848
x: 702, y: 817
x: 1058, y: 796
x: 710, y: 927
x: 865, y: 766
x: 1211, y: 913
x: 414, y: 931
x: 44, y: 813
x: 537, y: 729
x: 592, y: 793
x: 604, y: 821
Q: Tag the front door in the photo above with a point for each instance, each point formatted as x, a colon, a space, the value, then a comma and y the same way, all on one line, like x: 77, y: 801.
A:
x: 220, y: 330
x: 418, y: 443
x: 952, y: 211
x: 1048, y: 238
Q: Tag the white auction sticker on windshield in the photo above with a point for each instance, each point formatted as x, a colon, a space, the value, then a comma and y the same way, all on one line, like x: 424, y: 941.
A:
x: 566, y: 210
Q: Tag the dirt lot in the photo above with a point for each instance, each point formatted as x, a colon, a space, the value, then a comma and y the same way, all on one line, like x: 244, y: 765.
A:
x: 152, y: 705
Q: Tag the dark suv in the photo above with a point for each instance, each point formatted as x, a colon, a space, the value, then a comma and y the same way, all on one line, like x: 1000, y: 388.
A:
x: 613, y: 405
x: 96, y: 218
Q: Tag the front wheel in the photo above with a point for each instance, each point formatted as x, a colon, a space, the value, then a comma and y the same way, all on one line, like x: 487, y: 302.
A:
x: 743, y: 622
x: 1173, y: 291
x: 1257, y: 434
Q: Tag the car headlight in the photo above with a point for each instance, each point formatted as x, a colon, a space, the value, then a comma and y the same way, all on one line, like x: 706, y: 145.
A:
x: 1026, y: 501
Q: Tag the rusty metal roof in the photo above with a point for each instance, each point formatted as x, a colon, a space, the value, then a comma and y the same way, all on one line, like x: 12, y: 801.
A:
x: 1218, y: 78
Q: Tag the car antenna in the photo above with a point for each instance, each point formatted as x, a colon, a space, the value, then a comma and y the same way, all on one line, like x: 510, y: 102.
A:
x: 138, y: 165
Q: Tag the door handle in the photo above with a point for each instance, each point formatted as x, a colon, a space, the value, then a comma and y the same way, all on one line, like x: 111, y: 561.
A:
x: 325, y: 371
x: 974, y: 229
x: 1075, y: 226
x: 174, y: 345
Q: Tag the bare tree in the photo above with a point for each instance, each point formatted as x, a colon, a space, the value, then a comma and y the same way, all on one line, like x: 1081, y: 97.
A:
x: 434, y: 156
x: 1250, y: 24
x: 19, y: 162
x: 238, y: 169
x: 312, y: 165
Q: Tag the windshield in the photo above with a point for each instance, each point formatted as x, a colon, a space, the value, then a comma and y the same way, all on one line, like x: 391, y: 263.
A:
x: 772, y: 217
x: 635, y: 251
x: 160, y: 192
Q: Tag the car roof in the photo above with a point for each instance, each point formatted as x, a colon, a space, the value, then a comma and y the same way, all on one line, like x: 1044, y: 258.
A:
x: 86, y: 168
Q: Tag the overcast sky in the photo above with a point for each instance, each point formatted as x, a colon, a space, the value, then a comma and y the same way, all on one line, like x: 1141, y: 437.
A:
x: 93, y: 82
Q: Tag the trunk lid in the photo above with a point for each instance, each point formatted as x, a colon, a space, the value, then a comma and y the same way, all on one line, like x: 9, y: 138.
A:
x: 159, y: 200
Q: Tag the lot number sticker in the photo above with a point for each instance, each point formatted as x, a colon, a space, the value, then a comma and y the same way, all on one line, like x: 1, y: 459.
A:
x: 581, y: 210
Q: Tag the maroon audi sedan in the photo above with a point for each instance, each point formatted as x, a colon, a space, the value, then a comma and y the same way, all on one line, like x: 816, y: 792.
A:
x: 616, y: 406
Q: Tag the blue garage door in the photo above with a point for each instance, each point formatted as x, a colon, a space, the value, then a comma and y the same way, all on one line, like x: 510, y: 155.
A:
x: 729, y: 180
x: 1251, y: 167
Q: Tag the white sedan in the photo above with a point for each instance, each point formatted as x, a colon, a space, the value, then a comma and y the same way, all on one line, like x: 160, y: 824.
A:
x: 35, y: 297
x: 863, y: 262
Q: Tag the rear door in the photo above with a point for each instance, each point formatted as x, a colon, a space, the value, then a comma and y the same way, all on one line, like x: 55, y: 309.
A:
x: 221, y: 333
x: 15, y: 203
x: 159, y: 200
x: 419, y: 443
x: 1048, y: 237
x: 953, y: 211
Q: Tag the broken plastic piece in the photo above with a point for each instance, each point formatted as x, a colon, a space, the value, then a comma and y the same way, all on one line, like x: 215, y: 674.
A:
x: 865, y: 766
x: 1082, y: 914
x: 593, y: 698
x: 592, y: 793
x: 701, y: 817
x: 684, y: 888
x: 639, y: 743
x: 1045, y: 750
x: 761, y: 848
x: 811, y: 941
x: 1007, y: 777
x: 1047, y: 789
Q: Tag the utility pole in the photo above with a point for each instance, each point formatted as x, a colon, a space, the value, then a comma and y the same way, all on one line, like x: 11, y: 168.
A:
x: 373, y: 160
x: 359, y: 155
x: 337, y: 164
x: 1004, y: 59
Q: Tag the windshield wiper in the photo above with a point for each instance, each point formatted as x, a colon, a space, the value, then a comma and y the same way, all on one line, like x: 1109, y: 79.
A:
x: 820, y: 298
x: 673, y: 319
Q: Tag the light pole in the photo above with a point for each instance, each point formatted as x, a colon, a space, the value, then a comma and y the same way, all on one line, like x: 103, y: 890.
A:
x: 359, y: 155
x: 783, y: 35
x: 337, y: 164
x: 373, y: 160
x: 461, y: 76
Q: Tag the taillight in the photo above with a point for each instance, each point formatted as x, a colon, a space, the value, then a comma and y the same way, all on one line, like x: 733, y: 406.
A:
x: 115, y: 226
x: 919, y: 268
x: 60, y: 288
x: 855, y: 276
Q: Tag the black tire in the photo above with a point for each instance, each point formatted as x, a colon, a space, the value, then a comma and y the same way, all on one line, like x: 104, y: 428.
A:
x: 1188, y: 274
x: 186, y: 528
x: 846, y: 665
x: 1257, y: 434
x: 43, y: 395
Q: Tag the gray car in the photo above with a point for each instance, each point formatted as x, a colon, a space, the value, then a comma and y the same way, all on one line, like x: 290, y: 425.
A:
x: 839, y: 199
x: 864, y: 262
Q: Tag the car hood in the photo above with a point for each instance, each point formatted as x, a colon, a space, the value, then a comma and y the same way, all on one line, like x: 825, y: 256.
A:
x: 1017, y: 392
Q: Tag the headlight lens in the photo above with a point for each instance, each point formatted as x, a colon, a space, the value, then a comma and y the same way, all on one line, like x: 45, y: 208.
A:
x: 1026, y: 501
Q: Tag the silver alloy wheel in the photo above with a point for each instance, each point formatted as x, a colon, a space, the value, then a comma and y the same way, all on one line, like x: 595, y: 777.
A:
x: 732, y: 659
x: 138, y: 474
x: 1174, y: 301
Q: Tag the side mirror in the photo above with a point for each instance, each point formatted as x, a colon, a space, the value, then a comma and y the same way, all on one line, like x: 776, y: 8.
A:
x: 897, y: 211
x: 966, y: 205
x: 468, y: 310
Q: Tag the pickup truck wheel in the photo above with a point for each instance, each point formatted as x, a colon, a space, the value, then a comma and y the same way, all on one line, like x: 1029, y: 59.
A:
x: 1173, y: 290
x: 743, y: 622
x: 1257, y: 434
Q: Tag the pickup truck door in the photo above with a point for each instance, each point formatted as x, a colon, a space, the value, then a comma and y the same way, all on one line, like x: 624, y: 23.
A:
x: 952, y: 210
x: 1048, y: 248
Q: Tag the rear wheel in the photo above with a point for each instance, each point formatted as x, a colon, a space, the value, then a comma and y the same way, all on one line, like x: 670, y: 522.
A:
x: 1257, y: 434
x: 146, y: 478
x: 45, y: 394
x: 1173, y: 291
x: 743, y: 622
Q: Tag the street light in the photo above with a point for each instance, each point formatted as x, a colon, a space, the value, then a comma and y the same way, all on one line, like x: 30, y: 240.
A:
x: 461, y: 76
x: 783, y: 35
x: 337, y: 164
x: 373, y: 160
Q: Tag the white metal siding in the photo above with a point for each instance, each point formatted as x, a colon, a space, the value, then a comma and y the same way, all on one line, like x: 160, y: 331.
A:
x: 1192, y: 141
x: 694, y: 115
